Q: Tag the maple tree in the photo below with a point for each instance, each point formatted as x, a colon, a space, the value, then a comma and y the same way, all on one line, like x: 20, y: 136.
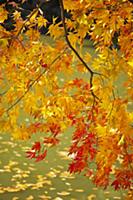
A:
x: 30, y: 72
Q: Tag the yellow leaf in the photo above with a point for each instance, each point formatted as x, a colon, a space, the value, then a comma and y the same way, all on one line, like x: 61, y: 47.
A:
x: 88, y: 57
x: 30, y: 197
x: 91, y: 197
x: 63, y: 193
x: 16, y: 15
x: 3, y: 14
x: 33, y: 16
x: 41, y: 21
x: 121, y: 141
x: 130, y: 62
x: 101, y: 131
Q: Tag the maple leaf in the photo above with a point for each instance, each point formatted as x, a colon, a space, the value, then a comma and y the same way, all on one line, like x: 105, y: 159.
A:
x: 49, y: 140
x: 44, y: 65
x: 116, y: 184
x: 77, y: 166
x: 89, y: 172
x: 79, y: 133
x: 54, y: 128
x: 31, y: 154
x: 41, y: 157
x: 78, y: 82
x: 3, y: 14
x: 41, y: 21
x: 55, y: 84
x: 36, y: 146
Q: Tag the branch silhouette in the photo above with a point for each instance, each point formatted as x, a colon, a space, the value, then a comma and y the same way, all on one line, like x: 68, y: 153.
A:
x: 75, y: 51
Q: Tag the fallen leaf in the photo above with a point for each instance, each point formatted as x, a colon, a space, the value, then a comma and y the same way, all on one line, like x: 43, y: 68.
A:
x: 91, y: 197
x: 63, y: 193
x: 30, y: 197
x: 79, y: 190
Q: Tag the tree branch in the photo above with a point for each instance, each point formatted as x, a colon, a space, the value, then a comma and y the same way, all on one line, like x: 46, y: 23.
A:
x: 3, y: 93
x: 25, y: 22
x: 74, y: 50
x: 32, y: 84
x: 29, y: 17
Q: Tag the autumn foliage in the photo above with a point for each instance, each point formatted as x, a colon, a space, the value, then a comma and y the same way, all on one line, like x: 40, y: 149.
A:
x: 88, y: 98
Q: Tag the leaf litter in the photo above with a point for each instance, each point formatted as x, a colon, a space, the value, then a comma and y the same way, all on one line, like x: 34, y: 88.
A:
x: 22, y: 175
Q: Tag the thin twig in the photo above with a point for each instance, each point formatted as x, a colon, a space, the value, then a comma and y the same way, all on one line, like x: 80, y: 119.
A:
x: 3, y: 93
x: 21, y: 43
x: 33, y: 83
x: 20, y: 98
x: 25, y: 22
x: 74, y: 50
x: 29, y: 17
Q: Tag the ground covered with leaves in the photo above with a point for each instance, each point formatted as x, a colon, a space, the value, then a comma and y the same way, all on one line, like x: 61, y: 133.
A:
x: 24, y: 179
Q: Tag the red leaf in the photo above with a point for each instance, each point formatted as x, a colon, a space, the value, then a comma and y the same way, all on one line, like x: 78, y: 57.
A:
x: 36, y: 146
x: 31, y: 154
x: 44, y: 65
x: 52, y: 141
x: 116, y: 184
x: 79, y: 133
x: 89, y: 172
x: 41, y: 156
x: 77, y: 166
x: 54, y: 128
x: 78, y: 82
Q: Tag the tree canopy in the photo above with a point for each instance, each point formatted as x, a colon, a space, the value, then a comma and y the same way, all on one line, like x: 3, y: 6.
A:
x: 31, y: 84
